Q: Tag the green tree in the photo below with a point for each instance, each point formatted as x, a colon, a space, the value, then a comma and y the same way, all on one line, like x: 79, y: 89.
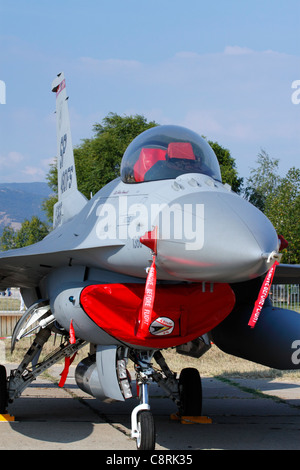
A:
x: 263, y: 181
x: 98, y: 159
x: 279, y: 198
x: 283, y: 209
x: 7, y: 240
x: 103, y: 153
x: 228, y: 167
x: 31, y: 231
x: 47, y: 204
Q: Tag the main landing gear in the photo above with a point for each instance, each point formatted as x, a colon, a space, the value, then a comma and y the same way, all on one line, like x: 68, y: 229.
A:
x: 190, y: 392
x: 3, y: 390
x: 11, y: 387
x: 186, y: 392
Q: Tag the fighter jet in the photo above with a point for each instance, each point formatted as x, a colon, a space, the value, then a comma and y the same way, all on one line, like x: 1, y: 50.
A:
x: 165, y: 256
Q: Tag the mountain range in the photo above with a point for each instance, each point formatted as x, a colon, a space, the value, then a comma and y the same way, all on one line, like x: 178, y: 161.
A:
x: 20, y: 201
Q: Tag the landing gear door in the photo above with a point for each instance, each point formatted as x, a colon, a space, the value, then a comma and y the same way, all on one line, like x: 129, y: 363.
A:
x: 106, y: 360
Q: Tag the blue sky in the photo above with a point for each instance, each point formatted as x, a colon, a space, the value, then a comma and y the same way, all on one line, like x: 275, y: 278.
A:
x: 222, y: 68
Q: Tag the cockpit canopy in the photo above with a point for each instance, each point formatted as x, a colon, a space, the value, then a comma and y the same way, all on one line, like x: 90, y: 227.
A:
x: 165, y: 152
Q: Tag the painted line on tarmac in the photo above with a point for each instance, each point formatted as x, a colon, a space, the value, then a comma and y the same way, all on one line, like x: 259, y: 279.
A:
x: 255, y: 392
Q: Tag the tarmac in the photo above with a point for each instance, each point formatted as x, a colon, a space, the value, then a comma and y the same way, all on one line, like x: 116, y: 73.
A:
x: 246, y: 414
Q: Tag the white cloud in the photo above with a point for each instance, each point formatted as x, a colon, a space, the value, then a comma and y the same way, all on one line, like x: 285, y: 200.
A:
x: 215, y: 125
x: 238, y: 96
x: 10, y: 160
x: 237, y: 50
x: 46, y: 162
x: 35, y: 173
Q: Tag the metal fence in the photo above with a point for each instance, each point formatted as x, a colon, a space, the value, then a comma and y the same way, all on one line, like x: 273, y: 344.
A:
x: 286, y: 296
x: 11, y: 309
x: 10, y: 301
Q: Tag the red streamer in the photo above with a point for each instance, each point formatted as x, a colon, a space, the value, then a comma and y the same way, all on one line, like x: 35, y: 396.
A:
x: 64, y: 374
x: 72, y: 333
x: 148, y: 301
x: 68, y: 360
x: 263, y: 294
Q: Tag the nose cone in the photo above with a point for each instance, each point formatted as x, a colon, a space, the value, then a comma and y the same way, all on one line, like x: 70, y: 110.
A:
x: 216, y: 237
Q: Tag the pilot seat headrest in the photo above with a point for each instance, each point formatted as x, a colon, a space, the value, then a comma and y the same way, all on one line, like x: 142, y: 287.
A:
x: 183, y: 150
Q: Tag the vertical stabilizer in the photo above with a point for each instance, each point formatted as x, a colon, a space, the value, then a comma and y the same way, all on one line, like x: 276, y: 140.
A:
x: 70, y: 200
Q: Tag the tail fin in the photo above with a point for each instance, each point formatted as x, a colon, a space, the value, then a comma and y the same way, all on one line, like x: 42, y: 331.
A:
x: 70, y: 200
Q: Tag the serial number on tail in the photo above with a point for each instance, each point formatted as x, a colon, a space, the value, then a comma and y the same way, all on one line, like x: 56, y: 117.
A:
x: 67, y: 179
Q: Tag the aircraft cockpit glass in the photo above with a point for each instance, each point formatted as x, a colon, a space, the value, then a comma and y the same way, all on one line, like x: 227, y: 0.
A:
x: 165, y: 152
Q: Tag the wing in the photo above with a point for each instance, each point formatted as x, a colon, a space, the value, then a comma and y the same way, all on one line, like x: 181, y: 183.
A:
x: 287, y: 274
x: 26, y: 267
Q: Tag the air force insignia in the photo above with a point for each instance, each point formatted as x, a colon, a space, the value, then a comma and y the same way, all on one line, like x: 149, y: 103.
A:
x: 161, y: 326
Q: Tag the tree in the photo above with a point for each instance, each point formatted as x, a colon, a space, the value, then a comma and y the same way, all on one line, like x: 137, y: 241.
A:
x: 103, y: 153
x: 7, y: 239
x: 31, y: 231
x: 283, y: 209
x: 228, y: 167
x: 98, y: 159
x: 263, y: 181
x: 279, y: 199
x: 48, y: 204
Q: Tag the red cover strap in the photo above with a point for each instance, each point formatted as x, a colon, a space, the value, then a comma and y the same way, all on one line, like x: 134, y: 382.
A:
x: 72, y: 333
x: 263, y: 294
x: 148, y: 300
x: 64, y: 374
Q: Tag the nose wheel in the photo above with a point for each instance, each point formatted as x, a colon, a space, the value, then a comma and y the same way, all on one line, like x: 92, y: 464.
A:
x: 186, y: 392
x: 145, y: 439
x: 142, y: 422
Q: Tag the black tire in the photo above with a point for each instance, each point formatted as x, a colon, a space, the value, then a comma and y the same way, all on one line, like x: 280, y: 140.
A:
x: 3, y: 390
x: 190, y: 392
x: 146, y: 428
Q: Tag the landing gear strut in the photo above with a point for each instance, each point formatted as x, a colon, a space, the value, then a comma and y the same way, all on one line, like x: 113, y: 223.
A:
x: 142, y: 422
x: 186, y: 392
x: 21, y: 377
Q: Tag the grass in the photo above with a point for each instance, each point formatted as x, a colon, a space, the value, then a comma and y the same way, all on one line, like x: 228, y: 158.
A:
x: 217, y: 363
x: 213, y: 363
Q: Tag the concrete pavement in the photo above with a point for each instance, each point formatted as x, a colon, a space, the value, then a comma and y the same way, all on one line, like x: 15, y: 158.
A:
x: 246, y: 414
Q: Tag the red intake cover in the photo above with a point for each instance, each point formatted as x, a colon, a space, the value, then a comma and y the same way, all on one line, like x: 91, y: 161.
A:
x: 180, y: 312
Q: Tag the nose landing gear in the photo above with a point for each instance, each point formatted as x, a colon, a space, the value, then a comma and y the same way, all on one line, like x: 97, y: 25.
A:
x: 143, y: 426
x: 142, y: 422
x: 186, y: 392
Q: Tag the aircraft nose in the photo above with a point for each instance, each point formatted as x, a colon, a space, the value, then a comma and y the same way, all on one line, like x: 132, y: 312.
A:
x: 216, y: 236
